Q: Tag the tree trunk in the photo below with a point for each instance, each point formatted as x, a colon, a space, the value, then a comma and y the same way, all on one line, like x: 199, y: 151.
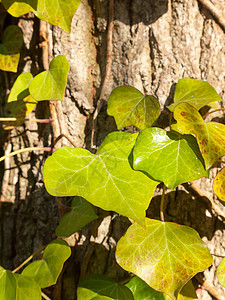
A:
x: 155, y: 43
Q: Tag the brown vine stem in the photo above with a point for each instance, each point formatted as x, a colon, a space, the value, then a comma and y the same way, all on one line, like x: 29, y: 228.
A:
x: 208, y: 287
x: 213, y: 111
x: 221, y: 161
x: 67, y: 137
x: 25, y: 150
x: 109, y: 56
x: 215, y: 12
x: 28, y: 259
x: 162, y: 204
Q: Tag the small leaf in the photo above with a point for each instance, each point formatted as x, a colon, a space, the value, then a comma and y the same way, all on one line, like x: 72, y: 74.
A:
x: 46, y: 271
x: 59, y: 13
x: 219, y: 184
x: 130, y: 107
x: 50, y: 85
x: 142, y: 291
x: 210, y: 136
x: 12, y: 40
x: 16, y: 286
x: 105, y: 179
x: 20, y: 103
x: 80, y: 215
x: 167, y: 157
x: 194, y: 92
x: 100, y: 287
x: 221, y: 272
x: 165, y: 255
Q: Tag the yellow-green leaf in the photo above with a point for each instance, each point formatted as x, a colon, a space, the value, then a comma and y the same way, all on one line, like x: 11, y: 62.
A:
x: 221, y: 272
x: 219, y: 184
x: 130, y: 107
x: 12, y: 40
x: 195, y: 92
x: 165, y: 255
x: 56, y: 12
x: 210, y: 136
x: 105, y: 179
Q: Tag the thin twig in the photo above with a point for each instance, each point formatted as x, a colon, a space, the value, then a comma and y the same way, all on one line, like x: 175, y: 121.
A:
x: 45, y: 296
x: 212, y: 111
x: 218, y: 211
x: 28, y: 259
x: 162, y: 204
x: 67, y: 137
x: 215, y: 12
x: 5, y: 180
x: 208, y: 287
x: 25, y: 150
x: 107, y: 73
x: 217, y: 255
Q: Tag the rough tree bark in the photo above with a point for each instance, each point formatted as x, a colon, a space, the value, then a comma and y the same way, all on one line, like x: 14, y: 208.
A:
x: 155, y: 43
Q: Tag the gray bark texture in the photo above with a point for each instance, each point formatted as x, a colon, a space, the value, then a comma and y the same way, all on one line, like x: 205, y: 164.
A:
x: 155, y: 43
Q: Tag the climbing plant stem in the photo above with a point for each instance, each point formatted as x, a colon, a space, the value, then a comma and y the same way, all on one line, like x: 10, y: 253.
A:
x: 213, y: 111
x: 24, y: 150
x: 162, y: 204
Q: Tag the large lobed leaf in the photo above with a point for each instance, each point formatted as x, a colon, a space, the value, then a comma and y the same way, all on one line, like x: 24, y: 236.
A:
x: 105, y: 179
x: 12, y: 40
x: 219, y: 184
x: 130, y: 107
x: 16, y: 286
x: 56, y: 12
x: 80, y: 215
x: 210, y: 136
x: 142, y: 291
x: 100, y: 287
x: 50, y: 85
x: 194, y: 92
x: 165, y: 255
x: 46, y: 271
x: 167, y: 157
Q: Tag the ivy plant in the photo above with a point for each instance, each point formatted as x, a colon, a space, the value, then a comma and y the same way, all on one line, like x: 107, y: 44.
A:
x: 124, y: 173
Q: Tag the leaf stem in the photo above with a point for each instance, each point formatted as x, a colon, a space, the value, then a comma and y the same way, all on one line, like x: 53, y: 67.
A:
x: 221, y: 161
x: 126, y: 280
x: 24, y: 150
x: 213, y: 111
x: 162, y: 204
x: 45, y: 296
x: 26, y: 119
x: 28, y: 259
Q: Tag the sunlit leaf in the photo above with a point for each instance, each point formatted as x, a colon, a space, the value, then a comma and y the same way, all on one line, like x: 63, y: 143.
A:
x: 16, y: 286
x: 80, y: 215
x: 130, y: 107
x: 100, y: 287
x: 50, y: 85
x: 56, y: 12
x: 105, y: 179
x: 219, y: 184
x: 194, y: 92
x: 46, y: 271
x: 20, y: 103
x: 165, y: 255
x: 12, y: 40
x: 142, y: 291
x: 221, y: 272
x: 167, y: 157
x: 210, y: 136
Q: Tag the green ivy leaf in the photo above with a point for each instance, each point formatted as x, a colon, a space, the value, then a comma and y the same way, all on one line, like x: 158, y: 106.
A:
x: 165, y: 255
x: 167, y: 157
x: 80, y: 215
x: 130, y: 107
x: 12, y: 40
x: 210, y: 136
x: 105, y: 179
x: 46, y: 271
x: 194, y: 92
x: 50, y: 85
x: 221, y: 272
x: 16, y: 286
x: 59, y: 13
x: 100, y: 287
x: 142, y: 291
x: 20, y: 103
x: 219, y: 184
